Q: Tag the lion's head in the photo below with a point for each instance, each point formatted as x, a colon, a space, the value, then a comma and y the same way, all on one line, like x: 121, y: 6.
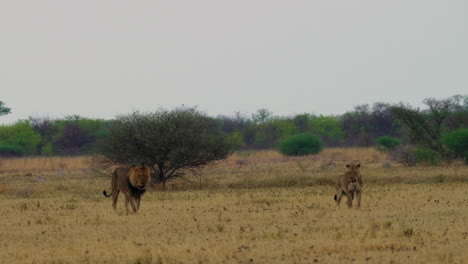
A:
x: 353, y: 169
x: 139, y: 176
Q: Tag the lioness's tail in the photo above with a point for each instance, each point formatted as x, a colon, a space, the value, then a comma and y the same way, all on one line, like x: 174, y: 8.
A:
x: 335, y: 197
x: 105, y: 194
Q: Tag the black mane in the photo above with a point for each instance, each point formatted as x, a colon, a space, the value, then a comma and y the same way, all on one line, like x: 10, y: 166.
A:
x: 134, y: 191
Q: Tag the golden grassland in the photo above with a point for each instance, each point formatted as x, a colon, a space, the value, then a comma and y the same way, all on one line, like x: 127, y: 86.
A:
x: 255, y: 207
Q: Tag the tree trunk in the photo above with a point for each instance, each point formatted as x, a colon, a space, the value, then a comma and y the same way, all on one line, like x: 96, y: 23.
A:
x: 161, y: 175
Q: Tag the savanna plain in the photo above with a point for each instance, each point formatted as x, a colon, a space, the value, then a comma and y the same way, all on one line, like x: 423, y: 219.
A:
x: 255, y: 207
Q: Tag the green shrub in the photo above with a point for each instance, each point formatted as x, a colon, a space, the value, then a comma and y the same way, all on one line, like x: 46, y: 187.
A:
x: 20, y: 134
x: 387, y: 143
x: 47, y: 150
x: 428, y: 156
x: 263, y: 140
x: 457, y: 142
x: 300, y: 145
x: 328, y: 128
x: 11, y: 150
x: 283, y: 128
x: 236, y: 139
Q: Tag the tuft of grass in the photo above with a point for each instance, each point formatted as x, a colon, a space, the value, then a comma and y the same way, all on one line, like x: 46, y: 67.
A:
x: 408, y: 231
x: 439, y: 178
x: 220, y: 227
x: 147, y: 259
x: 387, y: 224
x: 25, y: 192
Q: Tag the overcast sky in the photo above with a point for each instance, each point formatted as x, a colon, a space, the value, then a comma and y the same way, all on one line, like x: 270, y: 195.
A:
x: 102, y: 58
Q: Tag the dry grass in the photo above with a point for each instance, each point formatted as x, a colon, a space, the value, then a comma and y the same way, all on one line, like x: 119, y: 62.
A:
x: 269, y: 209
x: 48, y: 164
x: 43, y: 164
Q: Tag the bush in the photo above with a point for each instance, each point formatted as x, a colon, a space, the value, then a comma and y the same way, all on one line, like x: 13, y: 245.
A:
x: 300, y: 145
x: 457, y: 142
x: 387, y: 143
x: 404, y: 154
x: 77, y: 135
x: 412, y: 156
x: 11, y: 150
x: 428, y: 156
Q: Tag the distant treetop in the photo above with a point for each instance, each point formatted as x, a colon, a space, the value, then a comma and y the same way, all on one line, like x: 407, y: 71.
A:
x: 3, y: 109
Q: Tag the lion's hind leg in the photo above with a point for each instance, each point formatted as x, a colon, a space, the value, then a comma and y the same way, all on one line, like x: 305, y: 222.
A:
x: 115, y: 196
x: 339, y: 194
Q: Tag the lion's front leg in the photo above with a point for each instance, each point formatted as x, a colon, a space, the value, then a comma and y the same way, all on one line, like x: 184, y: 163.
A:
x: 132, y: 203
x: 350, y: 199
x: 358, y: 195
x: 129, y: 200
x: 126, y: 203
x: 138, y: 199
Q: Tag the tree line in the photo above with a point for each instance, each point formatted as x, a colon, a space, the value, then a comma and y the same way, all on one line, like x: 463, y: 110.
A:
x: 360, y: 127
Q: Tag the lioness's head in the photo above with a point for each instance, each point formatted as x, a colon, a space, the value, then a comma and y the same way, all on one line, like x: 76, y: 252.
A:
x: 353, y: 169
x: 140, y: 176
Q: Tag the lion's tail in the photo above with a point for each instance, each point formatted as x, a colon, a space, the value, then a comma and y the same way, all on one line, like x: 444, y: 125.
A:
x: 106, y: 195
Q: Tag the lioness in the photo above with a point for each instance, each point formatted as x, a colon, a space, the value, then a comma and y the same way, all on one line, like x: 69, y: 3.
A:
x: 348, y: 184
x: 132, y: 183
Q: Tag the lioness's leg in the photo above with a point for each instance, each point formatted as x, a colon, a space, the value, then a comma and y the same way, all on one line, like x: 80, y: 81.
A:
x: 350, y: 199
x: 338, y: 195
x: 358, y: 196
x: 115, y: 195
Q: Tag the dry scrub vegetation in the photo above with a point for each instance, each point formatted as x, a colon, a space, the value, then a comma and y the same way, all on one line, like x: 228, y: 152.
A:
x: 256, y: 207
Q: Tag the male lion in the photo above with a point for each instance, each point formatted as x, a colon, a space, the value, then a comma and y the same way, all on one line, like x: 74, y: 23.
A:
x: 348, y: 184
x: 132, y: 183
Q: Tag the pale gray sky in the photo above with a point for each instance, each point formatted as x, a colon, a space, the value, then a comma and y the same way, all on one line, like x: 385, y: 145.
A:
x: 101, y: 58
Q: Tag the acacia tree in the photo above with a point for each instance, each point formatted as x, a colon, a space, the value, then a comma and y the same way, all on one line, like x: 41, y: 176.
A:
x: 425, y: 127
x: 3, y: 109
x: 171, y: 143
